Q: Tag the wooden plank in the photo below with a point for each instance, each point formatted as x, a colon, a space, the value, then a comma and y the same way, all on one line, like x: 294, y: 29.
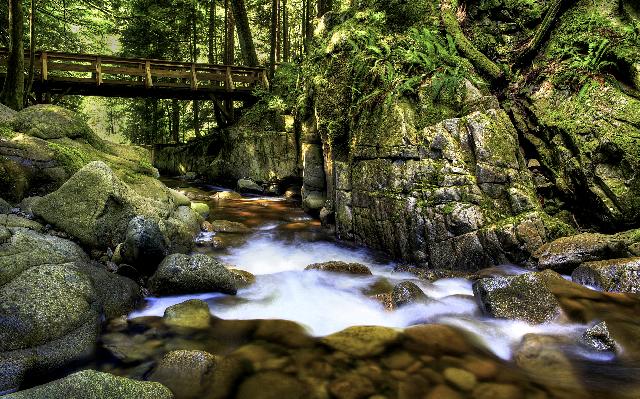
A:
x: 122, y: 71
x: 57, y: 66
x: 148, y: 80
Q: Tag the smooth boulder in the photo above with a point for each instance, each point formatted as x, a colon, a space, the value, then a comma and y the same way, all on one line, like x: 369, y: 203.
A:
x: 525, y: 297
x: 91, y: 384
x: 340, y: 267
x: 406, y: 293
x: 184, y: 274
x: 565, y: 254
x: 144, y: 246
x: 185, y: 372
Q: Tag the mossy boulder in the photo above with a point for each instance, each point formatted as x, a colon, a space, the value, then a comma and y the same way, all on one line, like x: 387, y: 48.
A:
x: 185, y: 372
x: 5, y: 207
x: 188, y: 274
x: 362, y: 341
x: 91, y: 384
x: 193, y: 313
x: 340, y: 267
x: 526, y: 297
x: 145, y: 245
x: 614, y: 275
x: 95, y: 206
x: 52, y: 122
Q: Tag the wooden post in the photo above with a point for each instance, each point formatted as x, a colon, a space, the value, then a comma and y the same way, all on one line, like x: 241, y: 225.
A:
x: 45, y: 71
x: 263, y: 78
x: 194, y: 78
x: 98, y: 71
x: 148, y: 82
x: 229, y: 80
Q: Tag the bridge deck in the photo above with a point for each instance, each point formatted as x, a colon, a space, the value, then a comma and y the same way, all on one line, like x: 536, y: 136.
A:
x: 97, y: 75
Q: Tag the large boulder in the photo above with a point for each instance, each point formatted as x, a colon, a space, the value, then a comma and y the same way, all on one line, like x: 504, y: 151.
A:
x: 406, y: 293
x: 615, y: 275
x: 340, y: 267
x: 184, y: 274
x: 91, y: 384
x: 95, y: 206
x: 566, y: 253
x: 185, y: 372
x: 525, y: 297
x: 52, y: 122
x: 52, y: 301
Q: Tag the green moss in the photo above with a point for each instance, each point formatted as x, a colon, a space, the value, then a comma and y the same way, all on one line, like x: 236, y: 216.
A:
x: 70, y: 158
x: 6, y: 132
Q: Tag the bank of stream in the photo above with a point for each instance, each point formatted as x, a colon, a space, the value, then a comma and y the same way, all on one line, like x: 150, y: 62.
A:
x: 284, y: 335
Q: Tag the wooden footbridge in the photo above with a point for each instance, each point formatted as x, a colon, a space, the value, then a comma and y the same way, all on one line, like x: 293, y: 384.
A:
x: 106, y: 76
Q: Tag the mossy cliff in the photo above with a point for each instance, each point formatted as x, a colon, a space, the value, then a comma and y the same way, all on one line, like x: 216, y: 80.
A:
x: 431, y: 153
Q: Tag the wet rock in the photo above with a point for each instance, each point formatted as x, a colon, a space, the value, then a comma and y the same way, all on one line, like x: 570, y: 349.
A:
x: 226, y: 195
x: 193, y: 313
x: 565, y: 254
x: 272, y: 385
x: 407, y: 293
x: 340, y: 267
x: 249, y: 186
x: 429, y: 274
x: 243, y: 278
x: 91, y: 384
x: 362, y: 341
x: 226, y: 377
x: 185, y: 372
x: 200, y: 208
x: 144, y: 246
x: 598, y: 338
x: 313, y: 201
x: 225, y: 226
x: 542, y: 358
x: 459, y: 378
x: 489, y: 390
x: 385, y: 300
x: 616, y: 275
x: 525, y: 297
x: 435, y: 340
x: 351, y: 386
x: 184, y: 274
x: 399, y: 360
x: 443, y: 392
x: 284, y: 332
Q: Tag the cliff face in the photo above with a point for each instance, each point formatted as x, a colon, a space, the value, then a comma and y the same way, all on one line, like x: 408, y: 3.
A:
x: 426, y: 158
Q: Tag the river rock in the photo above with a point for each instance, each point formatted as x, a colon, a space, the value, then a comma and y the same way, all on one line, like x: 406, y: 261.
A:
x: 565, y: 254
x: 489, y: 390
x: 16, y: 222
x: 144, y: 246
x: 226, y: 195
x: 188, y: 274
x: 525, y: 297
x: 598, y: 338
x: 185, y: 372
x: 459, y: 378
x: 362, y: 341
x: 272, y: 385
x: 91, y: 384
x: 243, y: 278
x: 26, y: 205
x: 225, y: 226
x: 95, y: 206
x: 616, y: 275
x: 193, y: 313
x: 201, y: 208
x: 407, y: 293
x: 249, y: 186
x: 48, y: 122
x: 340, y: 267
x: 435, y: 340
x: 52, y: 300
x: 351, y: 386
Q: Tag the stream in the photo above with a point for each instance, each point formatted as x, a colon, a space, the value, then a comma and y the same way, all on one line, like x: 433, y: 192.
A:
x: 283, y: 240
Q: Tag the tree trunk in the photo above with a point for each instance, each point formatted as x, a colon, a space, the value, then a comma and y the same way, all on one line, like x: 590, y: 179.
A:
x: 247, y: 46
x: 13, y: 90
x: 32, y: 51
x: 175, y: 120
x: 273, y: 38
x: 286, y: 52
x: 211, y: 39
x: 229, y: 40
x: 308, y: 26
x: 194, y: 59
x: 324, y: 6
x: 278, y: 32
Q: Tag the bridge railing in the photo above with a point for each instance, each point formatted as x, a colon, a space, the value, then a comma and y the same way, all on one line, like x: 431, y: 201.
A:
x: 145, y: 73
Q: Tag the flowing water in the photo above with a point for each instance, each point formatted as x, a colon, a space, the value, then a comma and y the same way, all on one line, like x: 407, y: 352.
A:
x: 283, y: 240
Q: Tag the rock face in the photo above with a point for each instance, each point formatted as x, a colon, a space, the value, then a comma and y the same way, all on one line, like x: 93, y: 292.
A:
x: 567, y: 253
x: 91, y: 384
x: 52, y: 300
x: 616, y: 275
x: 184, y: 274
x: 95, y: 206
x: 258, y: 147
x: 525, y: 297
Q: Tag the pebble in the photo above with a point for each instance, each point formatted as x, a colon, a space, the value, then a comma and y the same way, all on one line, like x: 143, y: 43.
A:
x: 351, y: 386
x: 443, y: 392
x: 461, y: 379
x: 496, y: 391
